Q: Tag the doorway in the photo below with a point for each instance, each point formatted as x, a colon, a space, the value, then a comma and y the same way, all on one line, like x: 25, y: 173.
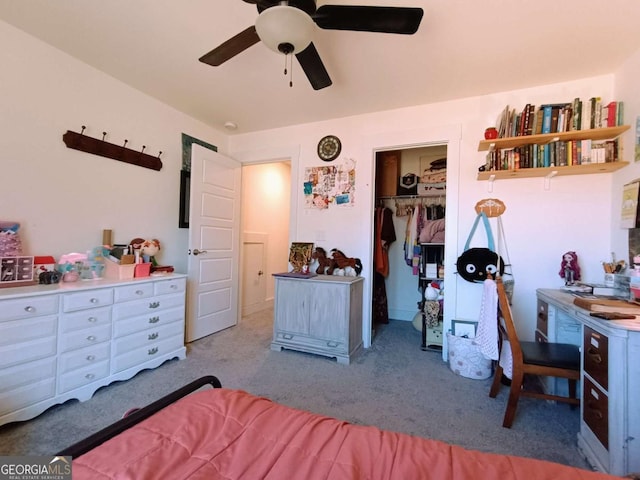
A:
x: 410, y: 197
x: 265, y: 223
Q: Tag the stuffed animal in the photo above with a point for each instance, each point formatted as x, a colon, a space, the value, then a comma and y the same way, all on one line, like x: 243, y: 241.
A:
x: 150, y: 248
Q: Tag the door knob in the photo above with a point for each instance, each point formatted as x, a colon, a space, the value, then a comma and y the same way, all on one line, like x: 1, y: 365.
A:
x: 260, y: 272
x: 198, y: 252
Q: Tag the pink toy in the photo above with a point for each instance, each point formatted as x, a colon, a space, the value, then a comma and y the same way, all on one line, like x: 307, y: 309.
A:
x: 569, y: 268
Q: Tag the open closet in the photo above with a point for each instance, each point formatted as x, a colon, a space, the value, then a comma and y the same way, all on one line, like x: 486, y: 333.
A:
x: 409, y: 245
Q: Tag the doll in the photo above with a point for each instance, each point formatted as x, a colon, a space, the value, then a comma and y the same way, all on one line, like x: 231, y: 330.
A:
x: 569, y: 268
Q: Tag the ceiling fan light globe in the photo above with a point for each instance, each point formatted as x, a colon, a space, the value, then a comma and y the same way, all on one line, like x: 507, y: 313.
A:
x: 283, y: 24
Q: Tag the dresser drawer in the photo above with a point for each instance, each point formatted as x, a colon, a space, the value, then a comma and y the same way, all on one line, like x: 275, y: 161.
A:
x: 147, y: 306
x: 83, y: 357
x: 170, y: 286
x: 84, y: 376
x: 18, y: 331
x: 19, y: 353
x: 26, y: 395
x: 151, y: 320
x: 85, y: 319
x: 147, y: 353
x: 596, y: 356
x: 133, y: 292
x: 327, y: 346
x: 543, y: 318
x: 87, y: 299
x: 85, y: 337
x: 26, y: 373
x: 146, y: 338
x: 28, y: 307
x: 595, y: 411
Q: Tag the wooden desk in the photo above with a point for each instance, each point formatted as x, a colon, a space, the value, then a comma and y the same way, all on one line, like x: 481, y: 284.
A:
x: 609, y: 435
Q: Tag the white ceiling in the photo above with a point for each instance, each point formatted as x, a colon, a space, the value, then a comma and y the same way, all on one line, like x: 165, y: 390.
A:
x: 462, y: 48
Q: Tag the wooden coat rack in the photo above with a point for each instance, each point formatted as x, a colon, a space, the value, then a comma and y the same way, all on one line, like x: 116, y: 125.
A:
x: 78, y: 141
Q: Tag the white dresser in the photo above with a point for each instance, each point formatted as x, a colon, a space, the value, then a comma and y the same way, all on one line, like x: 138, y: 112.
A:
x: 609, y: 435
x: 321, y: 315
x: 59, y: 342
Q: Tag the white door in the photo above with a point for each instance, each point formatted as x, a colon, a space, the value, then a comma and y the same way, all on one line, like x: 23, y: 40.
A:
x: 214, y: 243
x: 254, y: 282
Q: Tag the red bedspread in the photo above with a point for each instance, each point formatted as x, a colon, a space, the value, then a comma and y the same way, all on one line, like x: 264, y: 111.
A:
x: 230, y: 434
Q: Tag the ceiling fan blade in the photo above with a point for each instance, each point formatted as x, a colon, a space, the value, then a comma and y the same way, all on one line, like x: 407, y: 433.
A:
x: 232, y: 47
x: 404, y: 20
x: 310, y: 61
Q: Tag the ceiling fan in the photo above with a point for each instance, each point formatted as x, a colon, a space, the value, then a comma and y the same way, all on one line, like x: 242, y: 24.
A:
x: 287, y: 27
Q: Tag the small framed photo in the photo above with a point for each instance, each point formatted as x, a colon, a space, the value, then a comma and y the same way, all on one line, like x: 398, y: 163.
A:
x: 464, y: 328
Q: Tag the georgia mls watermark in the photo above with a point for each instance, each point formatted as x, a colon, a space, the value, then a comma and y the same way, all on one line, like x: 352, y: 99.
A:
x: 28, y: 467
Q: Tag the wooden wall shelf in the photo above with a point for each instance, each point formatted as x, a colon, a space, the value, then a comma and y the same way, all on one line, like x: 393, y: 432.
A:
x: 593, y: 134
x: 552, y: 171
x: 81, y: 142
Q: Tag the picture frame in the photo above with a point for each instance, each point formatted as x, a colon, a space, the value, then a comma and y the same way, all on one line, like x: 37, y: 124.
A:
x: 300, y: 256
x: 464, y: 328
x: 185, y: 192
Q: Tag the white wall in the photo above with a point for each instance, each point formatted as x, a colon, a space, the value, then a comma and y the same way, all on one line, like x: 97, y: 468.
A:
x: 540, y: 225
x: 63, y: 198
x: 626, y: 88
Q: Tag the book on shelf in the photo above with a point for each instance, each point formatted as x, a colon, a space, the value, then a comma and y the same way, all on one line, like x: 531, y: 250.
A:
x: 576, y: 122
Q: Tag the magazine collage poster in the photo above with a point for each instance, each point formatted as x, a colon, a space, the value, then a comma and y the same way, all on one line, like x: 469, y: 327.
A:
x: 330, y: 185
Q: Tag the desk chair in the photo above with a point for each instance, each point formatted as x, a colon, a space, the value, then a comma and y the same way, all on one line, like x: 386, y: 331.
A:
x: 544, y: 359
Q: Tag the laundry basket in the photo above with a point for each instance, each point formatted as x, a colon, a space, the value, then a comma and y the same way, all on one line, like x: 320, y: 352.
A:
x: 465, y: 358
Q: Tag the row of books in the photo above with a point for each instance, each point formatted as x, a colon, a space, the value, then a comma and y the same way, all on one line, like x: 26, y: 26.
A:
x: 553, y: 154
x: 560, y: 117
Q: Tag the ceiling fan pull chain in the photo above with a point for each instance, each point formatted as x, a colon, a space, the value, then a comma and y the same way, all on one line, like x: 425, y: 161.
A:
x: 290, y: 71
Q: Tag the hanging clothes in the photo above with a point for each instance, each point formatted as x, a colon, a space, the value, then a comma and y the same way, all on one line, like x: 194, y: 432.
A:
x: 385, y: 236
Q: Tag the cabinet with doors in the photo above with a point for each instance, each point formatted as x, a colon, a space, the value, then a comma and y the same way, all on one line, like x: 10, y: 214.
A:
x: 546, y: 139
x: 64, y: 341
x: 609, y: 434
x: 320, y: 315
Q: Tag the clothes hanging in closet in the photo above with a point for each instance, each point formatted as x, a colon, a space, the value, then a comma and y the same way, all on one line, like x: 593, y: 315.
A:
x: 385, y: 236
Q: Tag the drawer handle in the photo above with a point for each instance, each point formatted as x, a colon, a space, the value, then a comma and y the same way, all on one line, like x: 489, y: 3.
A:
x: 91, y: 338
x: 30, y: 309
x: 174, y: 287
x: 598, y: 414
x: 91, y: 358
x: 287, y: 336
x: 595, y: 356
x: 89, y: 376
x: 139, y: 292
x: 154, y: 319
x: 154, y: 304
x: 92, y: 319
x: 153, y: 336
x: 332, y: 344
x: 152, y: 351
x: 94, y: 300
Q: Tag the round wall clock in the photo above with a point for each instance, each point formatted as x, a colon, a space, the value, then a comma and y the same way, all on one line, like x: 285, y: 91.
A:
x: 329, y: 148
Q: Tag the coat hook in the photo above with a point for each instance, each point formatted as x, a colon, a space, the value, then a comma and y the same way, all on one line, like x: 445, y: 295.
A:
x: 82, y: 131
x: 125, y: 143
x: 143, y: 147
x: 159, y: 153
x: 104, y: 134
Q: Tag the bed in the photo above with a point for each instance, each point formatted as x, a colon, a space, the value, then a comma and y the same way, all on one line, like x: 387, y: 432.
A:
x: 219, y: 433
